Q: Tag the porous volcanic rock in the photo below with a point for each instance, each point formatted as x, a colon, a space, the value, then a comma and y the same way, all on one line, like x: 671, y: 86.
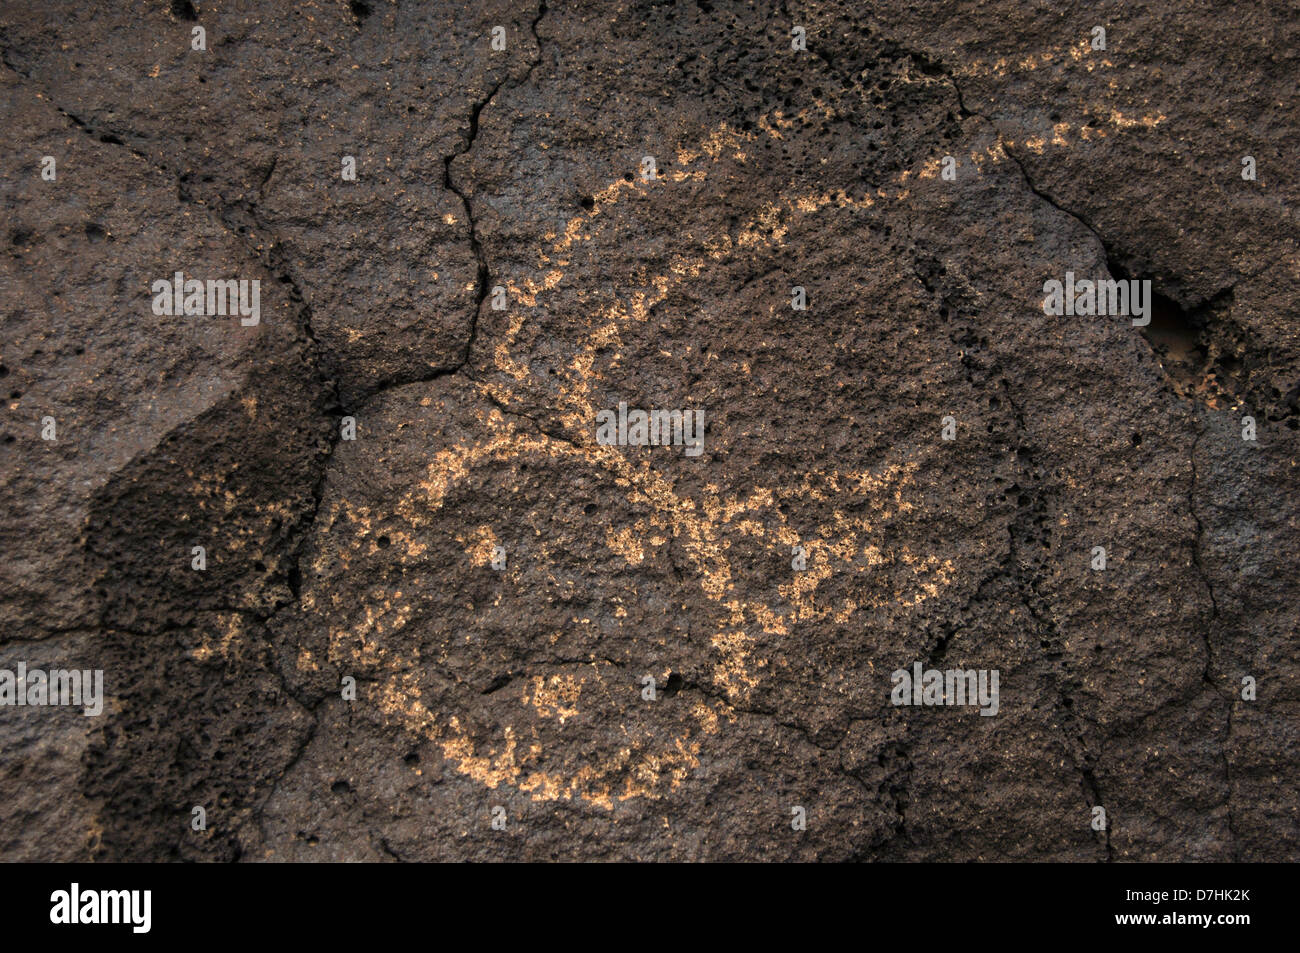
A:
x: 441, y: 620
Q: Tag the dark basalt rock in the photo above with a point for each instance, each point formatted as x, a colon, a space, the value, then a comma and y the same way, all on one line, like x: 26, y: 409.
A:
x: 498, y: 584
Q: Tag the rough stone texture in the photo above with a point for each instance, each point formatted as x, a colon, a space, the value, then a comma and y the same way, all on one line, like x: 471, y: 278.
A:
x: 522, y: 687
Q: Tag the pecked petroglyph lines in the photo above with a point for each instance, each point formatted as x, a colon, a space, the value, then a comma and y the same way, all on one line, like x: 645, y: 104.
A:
x: 703, y: 526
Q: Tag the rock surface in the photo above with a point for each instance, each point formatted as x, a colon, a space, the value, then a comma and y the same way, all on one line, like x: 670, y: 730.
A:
x: 516, y: 176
